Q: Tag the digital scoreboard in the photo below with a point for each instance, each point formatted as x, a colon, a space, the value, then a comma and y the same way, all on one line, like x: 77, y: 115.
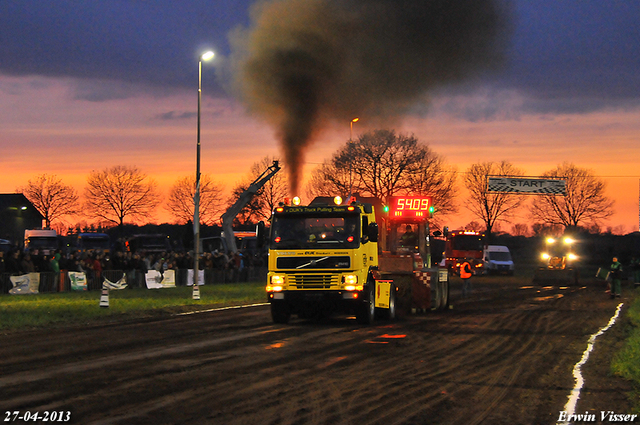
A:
x: 417, y: 207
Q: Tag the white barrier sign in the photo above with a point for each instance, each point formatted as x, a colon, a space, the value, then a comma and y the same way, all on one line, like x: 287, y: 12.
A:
x: 25, y: 284
x: 157, y: 280
x: 190, y: 277
x: 527, y: 185
x: 78, y: 281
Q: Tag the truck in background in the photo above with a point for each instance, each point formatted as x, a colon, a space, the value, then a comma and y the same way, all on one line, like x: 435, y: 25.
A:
x: 44, y: 240
x: 88, y: 241
x: 461, y: 244
x: 149, y: 243
x: 497, y: 259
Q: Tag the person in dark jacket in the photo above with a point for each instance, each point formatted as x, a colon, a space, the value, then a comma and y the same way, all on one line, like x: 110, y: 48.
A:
x: 616, y: 278
x: 12, y: 263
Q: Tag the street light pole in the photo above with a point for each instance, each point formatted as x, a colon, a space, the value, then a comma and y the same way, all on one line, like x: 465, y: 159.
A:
x: 196, y: 199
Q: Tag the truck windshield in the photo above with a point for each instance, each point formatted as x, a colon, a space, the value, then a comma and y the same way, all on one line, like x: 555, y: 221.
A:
x: 42, y: 242
x: 327, y: 232
x: 499, y: 256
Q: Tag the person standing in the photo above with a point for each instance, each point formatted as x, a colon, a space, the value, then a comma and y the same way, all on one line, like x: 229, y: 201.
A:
x: 465, y: 274
x: 616, y: 276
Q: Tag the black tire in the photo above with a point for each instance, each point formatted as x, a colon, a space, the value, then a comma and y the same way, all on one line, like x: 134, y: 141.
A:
x: 367, y: 311
x: 280, y: 312
x: 445, y: 300
x: 436, y: 296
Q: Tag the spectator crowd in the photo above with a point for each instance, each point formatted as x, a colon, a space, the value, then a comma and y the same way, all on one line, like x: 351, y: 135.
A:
x: 218, y: 266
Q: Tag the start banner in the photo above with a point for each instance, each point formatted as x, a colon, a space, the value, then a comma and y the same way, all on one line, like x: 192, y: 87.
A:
x: 527, y: 185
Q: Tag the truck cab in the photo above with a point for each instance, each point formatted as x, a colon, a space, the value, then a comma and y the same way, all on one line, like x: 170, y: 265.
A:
x: 356, y: 257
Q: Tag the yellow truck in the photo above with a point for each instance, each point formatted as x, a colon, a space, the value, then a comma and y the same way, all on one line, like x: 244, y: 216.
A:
x: 356, y: 257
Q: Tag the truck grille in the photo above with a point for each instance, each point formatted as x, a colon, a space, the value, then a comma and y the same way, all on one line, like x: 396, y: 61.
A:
x: 313, y: 281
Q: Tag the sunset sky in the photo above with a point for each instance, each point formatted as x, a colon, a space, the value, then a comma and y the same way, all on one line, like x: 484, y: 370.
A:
x: 85, y: 85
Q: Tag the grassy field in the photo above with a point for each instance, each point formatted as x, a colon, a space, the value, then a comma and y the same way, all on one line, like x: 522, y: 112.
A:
x: 69, y: 308
x: 626, y: 363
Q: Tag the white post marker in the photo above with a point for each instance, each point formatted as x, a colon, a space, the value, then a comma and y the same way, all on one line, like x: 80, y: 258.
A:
x: 104, y: 297
x: 196, y: 292
x: 570, y: 407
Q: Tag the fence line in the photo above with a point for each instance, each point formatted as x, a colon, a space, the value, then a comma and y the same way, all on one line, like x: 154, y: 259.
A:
x: 60, y: 282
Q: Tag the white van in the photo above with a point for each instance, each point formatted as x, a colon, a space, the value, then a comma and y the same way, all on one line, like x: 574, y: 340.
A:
x: 497, y: 259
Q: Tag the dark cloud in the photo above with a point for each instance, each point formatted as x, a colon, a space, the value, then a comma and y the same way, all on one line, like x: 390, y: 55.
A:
x: 145, y: 42
x: 304, y: 63
x: 567, y: 54
x: 173, y: 115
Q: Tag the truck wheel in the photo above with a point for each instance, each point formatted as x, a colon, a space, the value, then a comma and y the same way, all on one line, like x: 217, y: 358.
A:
x: 445, y: 295
x: 280, y: 312
x: 366, y: 312
x: 436, y: 295
x: 390, y: 314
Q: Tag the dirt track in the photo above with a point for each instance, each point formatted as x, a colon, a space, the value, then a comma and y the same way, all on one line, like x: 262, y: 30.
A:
x: 503, y: 356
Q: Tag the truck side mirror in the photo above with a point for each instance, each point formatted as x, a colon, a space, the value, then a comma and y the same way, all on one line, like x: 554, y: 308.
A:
x: 260, y: 230
x: 373, y: 232
x: 437, y: 233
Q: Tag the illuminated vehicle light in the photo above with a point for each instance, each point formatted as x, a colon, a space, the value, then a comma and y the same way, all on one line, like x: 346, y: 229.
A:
x: 274, y: 288
x: 572, y: 256
x: 337, y: 200
x: 545, y: 256
x: 279, y: 209
x: 551, y: 240
x: 351, y: 208
x: 277, y: 239
x: 296, y: 200
x: 568, y: 241
x: 350, y: 279
x: 277, y: 280
x: 350, y: 239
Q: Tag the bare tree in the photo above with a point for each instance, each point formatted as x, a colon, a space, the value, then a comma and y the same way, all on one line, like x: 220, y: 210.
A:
x: 120, y: 192
x: 520, y: 229
x: 51, y: 197
x: 382, y: 163
x: 181, y: 205
x: 266, y: 199
x: 491, y: 207
x: 584, y: 204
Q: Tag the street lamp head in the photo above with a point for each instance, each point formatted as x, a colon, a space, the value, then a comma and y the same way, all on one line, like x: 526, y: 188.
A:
x: 355, y: 120
x: 207, y: 55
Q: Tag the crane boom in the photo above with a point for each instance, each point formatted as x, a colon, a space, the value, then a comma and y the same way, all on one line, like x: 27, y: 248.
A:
x: 242, y: 201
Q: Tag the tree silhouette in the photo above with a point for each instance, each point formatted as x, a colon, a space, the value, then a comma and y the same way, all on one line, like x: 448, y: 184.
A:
x: 51, y: 197
x: 382, y: 163
x: 119, y: 192
x: 491, y: 207
x: 181, y: 205
x: 584, y: 204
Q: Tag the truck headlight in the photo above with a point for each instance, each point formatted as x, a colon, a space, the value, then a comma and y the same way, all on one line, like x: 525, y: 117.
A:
x: 572, y: 257
x: 277, y: 280
x: 545, y: 256
x: 350, y: 279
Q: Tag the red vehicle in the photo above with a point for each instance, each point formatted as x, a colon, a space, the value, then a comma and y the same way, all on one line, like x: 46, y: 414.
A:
x: 461, y: 244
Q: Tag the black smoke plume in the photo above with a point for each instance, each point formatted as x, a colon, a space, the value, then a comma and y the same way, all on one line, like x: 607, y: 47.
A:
x: 304, y: 63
